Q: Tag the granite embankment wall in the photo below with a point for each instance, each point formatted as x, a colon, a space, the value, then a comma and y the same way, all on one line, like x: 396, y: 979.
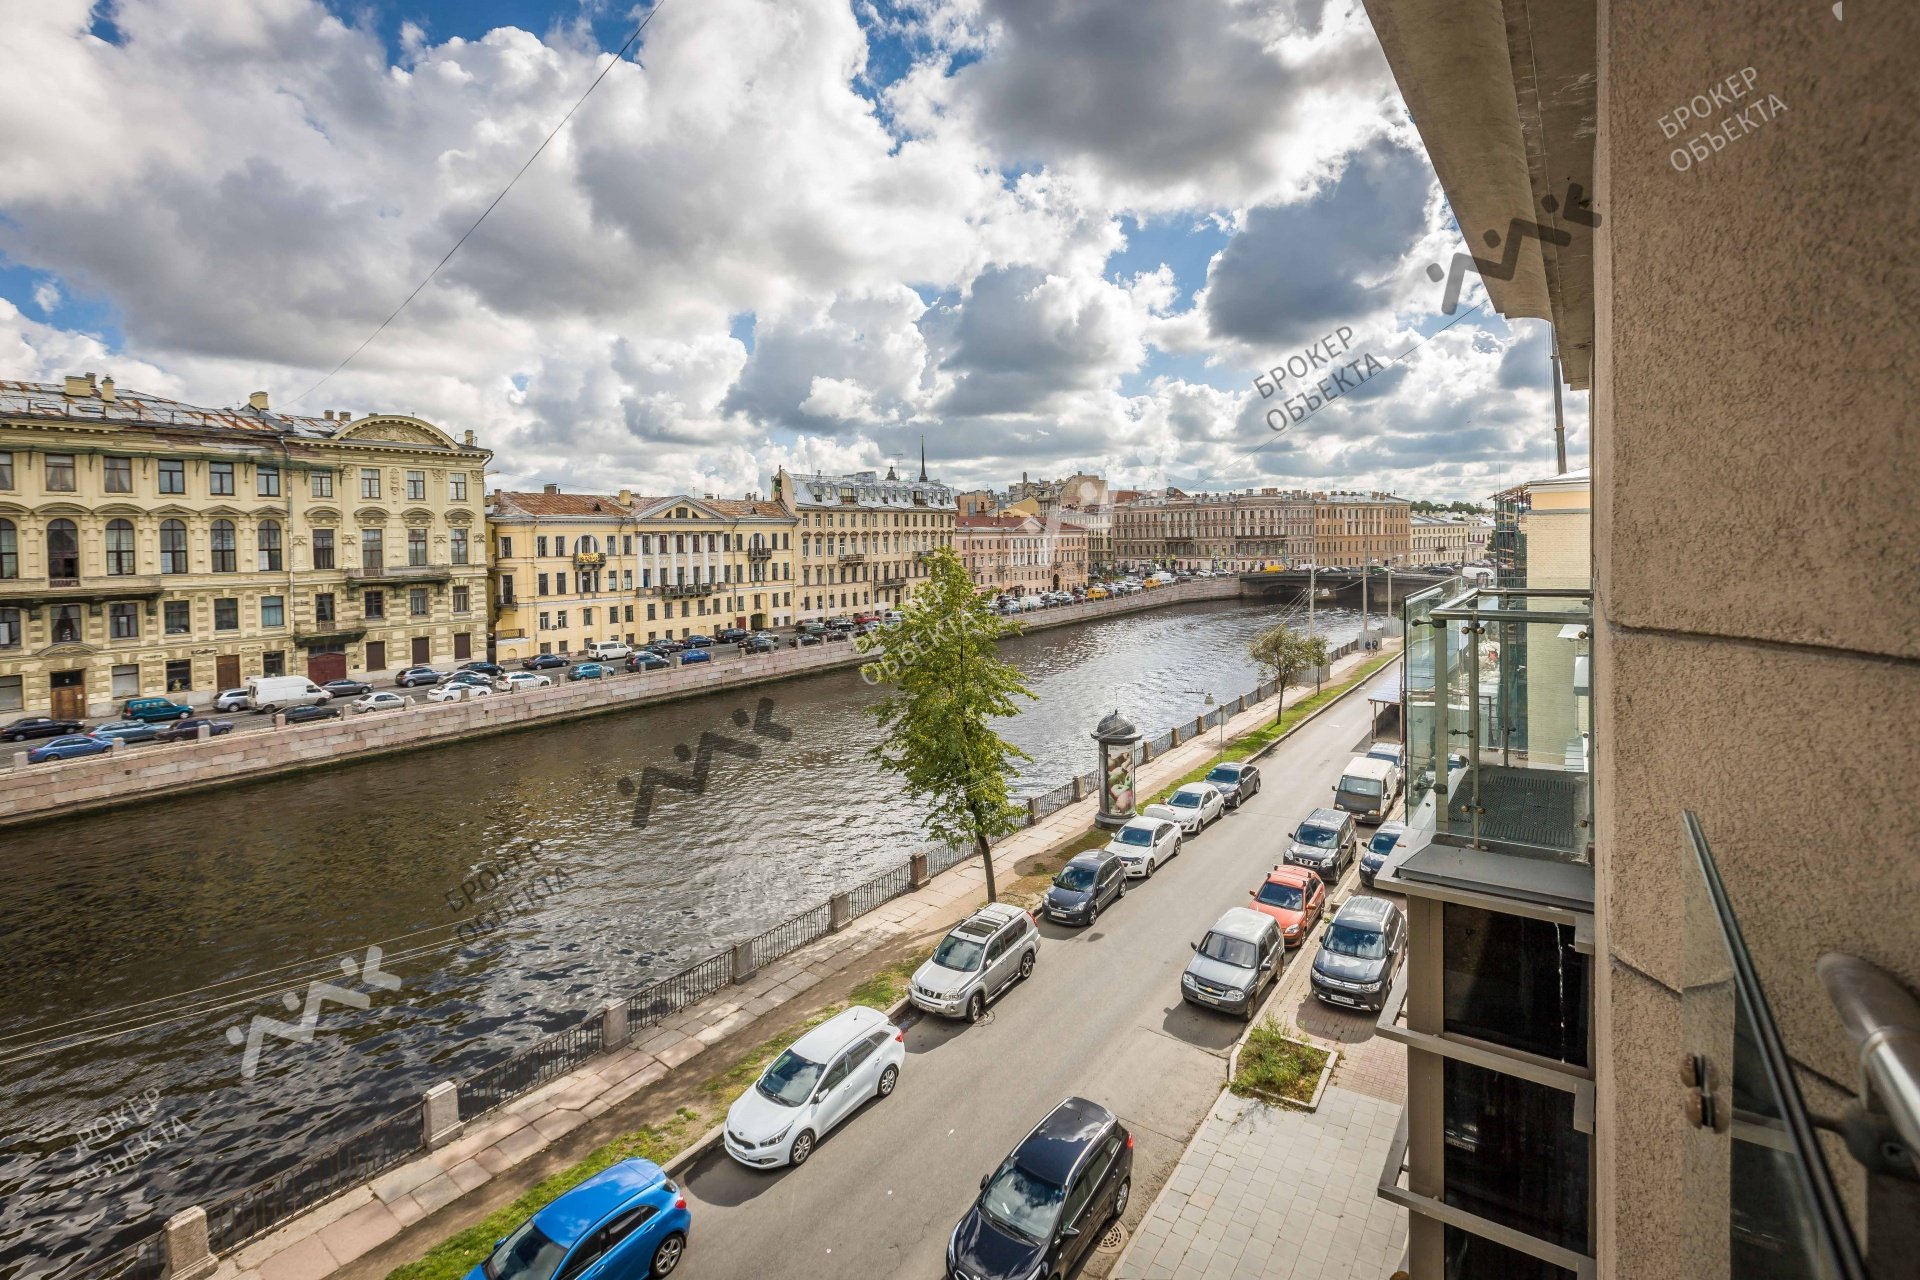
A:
x: 36, y: 792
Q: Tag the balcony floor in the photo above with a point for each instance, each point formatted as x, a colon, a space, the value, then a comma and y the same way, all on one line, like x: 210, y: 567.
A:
x: 1536, y: 807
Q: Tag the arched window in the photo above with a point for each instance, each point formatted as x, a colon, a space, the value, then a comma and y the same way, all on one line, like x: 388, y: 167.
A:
x: 63, y: 550
x: 269, y: 546
x: 586, y: 544
x: 120, y: 547
x: 173, y: 546
x: 226, y: 558
x: 9, y: 550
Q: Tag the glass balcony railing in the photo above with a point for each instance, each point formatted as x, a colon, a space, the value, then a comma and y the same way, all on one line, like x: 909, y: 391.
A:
x: 1499, y: 717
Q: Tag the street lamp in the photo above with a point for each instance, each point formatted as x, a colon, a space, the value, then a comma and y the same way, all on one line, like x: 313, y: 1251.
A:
x: 1223, y: 719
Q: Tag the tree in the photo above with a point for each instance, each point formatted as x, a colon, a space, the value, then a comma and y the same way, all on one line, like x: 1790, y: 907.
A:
x: 1284, y: 655
x: 949, y: 685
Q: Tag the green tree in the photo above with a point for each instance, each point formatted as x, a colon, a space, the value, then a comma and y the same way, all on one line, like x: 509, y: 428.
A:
x: 1284, y: 655
x: 948, y: 686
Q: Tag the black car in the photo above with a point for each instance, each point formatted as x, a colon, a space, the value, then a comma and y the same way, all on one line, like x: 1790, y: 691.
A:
x: 646, y: 661
x: 347, y: 688
x: 806, y: 638
x: 419, y: 675
x: 731, y: 635
x: 39, y: 727
x: 698, y: 642
x: 492, y: 670
x: 1236, y: 781
x: 667, y: 645
x: 1085, y: 886
x: 1359, y: 952
x: 189, y: 729
x: 1324, y: 843
x: 543, y: 662
x: 759, y: 643
x: 300, y: 715
x: 1047, y: 1205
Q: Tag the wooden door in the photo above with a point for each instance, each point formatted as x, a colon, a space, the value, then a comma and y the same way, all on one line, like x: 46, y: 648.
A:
x: 323, y: 666
x: 376, y: 655
x: 422, y: 650
x: 68, y: 695
x: 226, y: 671
x: 463, y: 645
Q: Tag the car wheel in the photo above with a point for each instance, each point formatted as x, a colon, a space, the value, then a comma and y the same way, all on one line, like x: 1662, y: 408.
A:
x: 1149, y: 868
x: 889, y: 1078
x: 1123, y: 889
x: 1120, y: 1198
x: 668, y: 1255
x: 976, y: 1007
x: 1026, y: 965
x: 802, y: 1148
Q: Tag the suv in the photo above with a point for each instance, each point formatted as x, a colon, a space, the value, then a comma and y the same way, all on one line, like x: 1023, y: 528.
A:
x: 1240, y: 955
x: 1359, y: 953
x: 1324, y: 843
x: 982, y: 956
x: 1044, y: 1209
x: 1087, y: 884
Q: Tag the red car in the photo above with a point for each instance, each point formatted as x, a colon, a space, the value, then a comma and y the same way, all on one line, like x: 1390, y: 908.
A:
x: 1294, y: 897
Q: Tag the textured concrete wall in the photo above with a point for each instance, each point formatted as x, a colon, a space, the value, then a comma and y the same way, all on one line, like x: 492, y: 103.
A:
x: 1755, y: 542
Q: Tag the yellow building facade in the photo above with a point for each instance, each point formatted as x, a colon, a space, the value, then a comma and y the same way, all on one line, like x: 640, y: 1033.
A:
x: 862, y: 539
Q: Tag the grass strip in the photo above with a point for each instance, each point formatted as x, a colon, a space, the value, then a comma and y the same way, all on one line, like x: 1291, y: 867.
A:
x: 1273, y: 1066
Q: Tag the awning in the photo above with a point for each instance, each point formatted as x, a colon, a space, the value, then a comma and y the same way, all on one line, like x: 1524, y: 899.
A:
x: 1386, y: 688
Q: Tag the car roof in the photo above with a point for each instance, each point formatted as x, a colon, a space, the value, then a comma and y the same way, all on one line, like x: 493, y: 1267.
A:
x: 1195, y: 786
x: 1240, y: 922
x: 1290, y: 875
x: 1390, y: 829
x: 1058, y: 1143
x: 1145, y: 824
x: 1367, y: 767
x: 1091, y: 858
x: 1361, y: 909
x: 837, y: 1032
x: 586, y: 1206
x: 1326, y: 817
x: 991, y: 918
x: 1237, y: 766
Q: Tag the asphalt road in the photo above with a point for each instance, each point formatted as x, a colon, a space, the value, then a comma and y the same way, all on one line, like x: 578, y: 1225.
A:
x: 1100, y: 1017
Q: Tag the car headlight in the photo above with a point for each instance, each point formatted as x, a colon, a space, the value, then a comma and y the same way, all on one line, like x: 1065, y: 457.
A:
x: 1186, y: 980
x: 1292, y: 930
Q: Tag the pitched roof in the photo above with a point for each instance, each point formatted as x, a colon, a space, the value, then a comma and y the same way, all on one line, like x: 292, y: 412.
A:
x: 556, y: 504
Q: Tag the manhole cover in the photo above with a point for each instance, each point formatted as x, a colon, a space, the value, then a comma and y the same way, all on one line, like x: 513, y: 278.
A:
x: 1114, y: 1240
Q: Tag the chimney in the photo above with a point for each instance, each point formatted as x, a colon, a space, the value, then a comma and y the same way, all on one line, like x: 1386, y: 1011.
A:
x: 258, y: 400
x: 549, y: 488
x: 328, y: 415
x: 626, y: 497
x: 471, y: 440
x: 81, y: 384
x: 106, y: 389
x: 342, y: 415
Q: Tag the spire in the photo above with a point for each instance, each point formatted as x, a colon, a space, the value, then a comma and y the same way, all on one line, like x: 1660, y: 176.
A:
x: 923, y: 459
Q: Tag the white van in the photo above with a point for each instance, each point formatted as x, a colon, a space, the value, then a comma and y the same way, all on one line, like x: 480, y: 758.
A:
x: 276, y: 693
x: 608, y: 650
x: 1367, y: 788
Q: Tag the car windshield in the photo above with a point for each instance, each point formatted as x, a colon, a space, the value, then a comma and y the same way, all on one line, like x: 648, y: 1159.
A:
x: 1136, y: 835
x: 1237, y: 952
x: 1022, y: 1203
x: 958, y: 953
x: 1351, y: 940
x: 1318, y: 837
x: 1280, y: 895
x: 1074, y: 877
x: 1383, y: 841
x: 1185, y: 800
x: 1360, y: 786
x: 527, y: 1254
x: 789, y: 1081
x: 1224, y: 774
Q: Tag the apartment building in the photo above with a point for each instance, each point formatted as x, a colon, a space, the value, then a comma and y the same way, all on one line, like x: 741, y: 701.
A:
x: 1449, y: 539
x: 572, y: 568
x: 1355, y: 529
x: 149, y: 546
x: 1659, y: 999
x: 862, y: 538
x: 1246, y: 531
x: 1020, y: 554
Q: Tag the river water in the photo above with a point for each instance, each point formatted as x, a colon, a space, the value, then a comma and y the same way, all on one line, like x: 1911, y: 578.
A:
x: 146, y: 933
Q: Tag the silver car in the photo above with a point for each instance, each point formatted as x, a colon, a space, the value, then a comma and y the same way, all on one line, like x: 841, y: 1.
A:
x: 982, y: 956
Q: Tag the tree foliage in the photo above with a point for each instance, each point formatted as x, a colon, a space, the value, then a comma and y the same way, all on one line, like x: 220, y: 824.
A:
x: 948, y: 687
x: 1284, y: 655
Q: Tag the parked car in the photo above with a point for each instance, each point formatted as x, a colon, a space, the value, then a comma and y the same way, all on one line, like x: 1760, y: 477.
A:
x: 731, y: 635
x: 1294, y: 897
x: 1144, y: 843
x: 266, y: 694
x: 646, y: 661
x: 609, y: 650
x: 1088, y: 884
x: 472, y: 679
x: 413, y: 676
x: 699, y: 642
x: 1379, y: 849
x: 1237, y: 781
x: 128, y: 731
x: 38, y: 727
x: 384, y: 700
x: 1047, y: 1205
x: 590, y: 671
x: 492, y: 670
x: 978, y: 959
x: 458, y: 691
x: 1367, y: 788
x: 1359, y: 952
x: 154, y: 709
x: 1392, y: 752
x: 70, y: 747
x: 1193, y: 806
x: 666, y: 645
x: 348, y: 688
x: 760, y: 642
x: 816, y: 1083
x: 1238, y: 959
x: 622, y: 1223
x: 189, y: 729
x: 695, y: 655
x: 316, y: 711
x: 517, y: 680
x: 543, y: 662
x: 806, y: 638
x: 231, y: 700
x: 1323, y: 843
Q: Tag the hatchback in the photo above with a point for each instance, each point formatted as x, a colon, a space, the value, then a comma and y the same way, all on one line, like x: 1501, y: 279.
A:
x: 590, y: 671
x: 302, y: 715
x: 982, y: 956
x: 70, y: 747
x: 817, y: 1082
x: 645, y: 661
x: 126, y: 730
x: 189, y: 729
x: 1088, y: 884
x: 1240, y: 955
x: 1359, y: 952
x: 155, y: 709
x: 1294, y: 897
x: 543, y: 662
x: 1235, y: 780
x: 231, y: 700
x: 418, y: 675
x: 695, y: 655
x: 621, y: 1224
x: 1045, y: 1208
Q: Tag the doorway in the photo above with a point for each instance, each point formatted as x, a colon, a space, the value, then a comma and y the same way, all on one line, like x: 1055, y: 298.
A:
x: 463, y: 645
x: 326, y: 664
x: 226, y: 671
x: 376, y: 655
x: 422, y: 650
x: 69, y: 694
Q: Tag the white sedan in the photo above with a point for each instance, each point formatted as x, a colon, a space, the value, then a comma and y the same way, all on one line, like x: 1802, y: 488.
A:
x: 820, y: 1080
x: 455, y: 691
x: 1143, y: 844
x: 382, y: 701
x: 527, y: 680
x: 1192, y: 806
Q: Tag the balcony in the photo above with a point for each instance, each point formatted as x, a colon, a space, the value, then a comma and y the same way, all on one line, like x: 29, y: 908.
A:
x: 679, y: 590
x: 759, y: 553
x: 589, y: 559
x: 1517, y: 734
x: 398, y: 574
x: 124, y: 586
x: 888, y: 584
x: 853, y: 557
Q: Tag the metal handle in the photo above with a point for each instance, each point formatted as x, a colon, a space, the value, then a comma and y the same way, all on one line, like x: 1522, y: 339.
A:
x: 1882, y: 1019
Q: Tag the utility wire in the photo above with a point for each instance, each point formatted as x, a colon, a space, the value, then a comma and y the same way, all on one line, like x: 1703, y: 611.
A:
x: 551, y: 135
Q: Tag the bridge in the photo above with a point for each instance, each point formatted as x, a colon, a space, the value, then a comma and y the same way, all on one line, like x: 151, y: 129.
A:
x: 1329, y: 586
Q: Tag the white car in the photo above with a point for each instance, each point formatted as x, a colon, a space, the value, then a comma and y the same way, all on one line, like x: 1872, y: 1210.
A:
x: 527, y: 680
x: 1192, y: 806
x: 1144, y: 844
x: 456, y: 691
x: 231, y: 700
x: 820, y: 1080
x: 382, y: 701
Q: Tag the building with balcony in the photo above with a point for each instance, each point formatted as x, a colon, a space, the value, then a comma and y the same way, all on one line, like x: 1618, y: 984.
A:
x: 148, y: 546
x: 1247, y: 531
x: 1448, y: 539
x: 1020, y: 554
x: 862, y: 538
x: 1659, y: 999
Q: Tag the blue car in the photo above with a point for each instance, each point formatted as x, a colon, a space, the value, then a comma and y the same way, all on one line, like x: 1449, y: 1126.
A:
x: 71, y: 747
x: 624, y: 1224
x: 590, y: 671
x: 695, y: 655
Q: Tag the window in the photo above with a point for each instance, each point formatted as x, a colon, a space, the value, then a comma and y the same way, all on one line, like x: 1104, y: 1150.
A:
x: 373, y: 551
x: 116, y: 475
x: 320, y: 484
x: 226, y: 615
x: 63, y: 550
x: 506, y: 548
x: 417, y: 602
x: 226, y: 558
x: 546, y: 621
x: 173, y: 475
x: 323, y: 548
x: 59, y: 473
x: 179, y: 675
x: 373, y: 604
x: 173, y: 546
x: 459, y: 546
x: 457, y: 487
x: 1515, y: 981
x: 273, y: 611
x: 323, y: 607
x: 540, y: 546
x: 416, y: 486
x: 369, y: 482
x: 506, y: 588
x: 273, y: 664
x: 559, y: 546
x: 267, y: 481
x: 586, y: 616
x: 416, y: 546
x: 541, y: 585
x: 120, y: 547
x: 9, y: 628
x: 220, y: 477
x: 9, y: 550
x: 461, y: 600
x: 6, y: 471
x: 560, y: 623
x: 1513, y: 1156
x: 67, y: 627
x: 178, y: 615
x: 123, y: 621
x: 269, y: 546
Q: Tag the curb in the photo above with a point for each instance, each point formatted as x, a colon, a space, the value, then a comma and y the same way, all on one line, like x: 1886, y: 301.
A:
x: 1314, y: 714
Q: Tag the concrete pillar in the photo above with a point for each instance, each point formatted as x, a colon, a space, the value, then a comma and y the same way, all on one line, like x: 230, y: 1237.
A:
x: 614, y: 1025
x: 1079, y: 788
x: 917, y: 875
x: 841, y: 908
x: 440, y: 1115
x: 1146, y: 752
x: 20, y: 759
x: 188, y: 1255
x: 1033, y: 810
x: 203, y: 733
x: 1175, y: 731
x: 279, y: 719
x: 1199, y: 725
x: 743, y: 960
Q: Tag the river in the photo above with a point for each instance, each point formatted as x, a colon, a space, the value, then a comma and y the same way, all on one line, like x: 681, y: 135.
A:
x: 117, y: 925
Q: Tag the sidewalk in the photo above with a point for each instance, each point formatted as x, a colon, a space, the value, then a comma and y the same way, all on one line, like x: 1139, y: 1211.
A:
x: 351, y: 1226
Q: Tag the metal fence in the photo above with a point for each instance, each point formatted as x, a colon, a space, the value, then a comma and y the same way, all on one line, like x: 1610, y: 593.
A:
x: 265, y: 1205
x: 882, y: 888
x: 658, y: 1001
x: 529, y: 1069
x: 792, y: 934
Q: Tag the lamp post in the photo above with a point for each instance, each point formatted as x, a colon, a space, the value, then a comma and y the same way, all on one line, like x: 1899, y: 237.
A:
x: 1223, y: 719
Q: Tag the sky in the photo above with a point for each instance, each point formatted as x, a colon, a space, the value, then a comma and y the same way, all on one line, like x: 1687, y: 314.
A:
x: 1042, y: 236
